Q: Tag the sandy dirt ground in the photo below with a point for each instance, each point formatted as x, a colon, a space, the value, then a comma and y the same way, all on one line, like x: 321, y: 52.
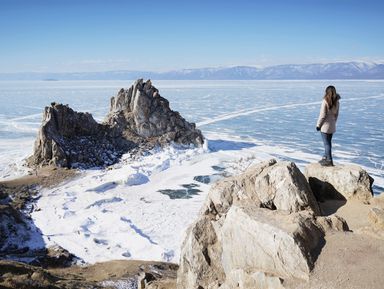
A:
x: 44, y: 177
x: 350, y: 260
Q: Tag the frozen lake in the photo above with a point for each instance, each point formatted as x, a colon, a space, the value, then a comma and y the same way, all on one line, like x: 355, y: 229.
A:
x: 140, y: 209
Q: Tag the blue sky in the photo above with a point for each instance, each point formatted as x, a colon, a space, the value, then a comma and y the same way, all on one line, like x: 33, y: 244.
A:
x: 95, y: 35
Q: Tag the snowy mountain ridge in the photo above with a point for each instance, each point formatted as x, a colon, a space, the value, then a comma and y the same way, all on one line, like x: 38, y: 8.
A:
x: 337, y: 70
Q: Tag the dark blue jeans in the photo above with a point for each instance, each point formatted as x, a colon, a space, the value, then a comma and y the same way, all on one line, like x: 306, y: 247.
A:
x: 327, y: 140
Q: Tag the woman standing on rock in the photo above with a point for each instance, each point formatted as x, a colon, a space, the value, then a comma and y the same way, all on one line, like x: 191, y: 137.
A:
x: 326, y: 122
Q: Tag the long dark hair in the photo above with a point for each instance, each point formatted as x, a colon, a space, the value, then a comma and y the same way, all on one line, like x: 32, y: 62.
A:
x: 331, y: 96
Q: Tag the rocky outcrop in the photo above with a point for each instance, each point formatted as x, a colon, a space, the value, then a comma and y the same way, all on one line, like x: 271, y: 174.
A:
x: 68, y: 139
x: 339, y: 182
x: 271, y: 241
x: 138, y: 117
x: 272, y: 185
x: 140, y: 111
x: 254, y: 231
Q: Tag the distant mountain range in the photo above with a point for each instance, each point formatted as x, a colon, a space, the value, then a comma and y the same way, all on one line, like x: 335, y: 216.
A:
x: 339, y: 70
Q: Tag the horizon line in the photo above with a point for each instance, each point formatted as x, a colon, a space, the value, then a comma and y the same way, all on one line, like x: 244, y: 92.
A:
x: 203, y: 67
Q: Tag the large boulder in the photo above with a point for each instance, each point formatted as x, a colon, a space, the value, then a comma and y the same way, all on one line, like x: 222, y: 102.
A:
x: 272, y: 241
x: 200, y: 257
x: 254, y: 231
x: 270, y: 184
x: 139, y: 118
x: 339, y: 182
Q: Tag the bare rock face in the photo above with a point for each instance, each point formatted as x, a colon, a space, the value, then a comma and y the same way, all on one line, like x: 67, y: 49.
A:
x: 270, y: 185
x: 254, y: 231
x: 68, y: 138
x: 273, y: 241
x: 138, y: 117
x: 141, y: 111
x: 339, y: 182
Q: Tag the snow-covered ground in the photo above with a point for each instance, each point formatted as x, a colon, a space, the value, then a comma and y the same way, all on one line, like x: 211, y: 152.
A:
x: 140, y: 209
x: 12, y: 157
x: 137, y: 209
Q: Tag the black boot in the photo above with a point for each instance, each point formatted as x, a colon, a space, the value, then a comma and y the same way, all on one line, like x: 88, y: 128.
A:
x: 326, y: 163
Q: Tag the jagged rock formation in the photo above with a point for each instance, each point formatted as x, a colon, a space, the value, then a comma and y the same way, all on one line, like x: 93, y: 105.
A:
x: 142, y: 112
x: 339, y: 182
x: 68, y: 138
x: 254, y: 231
x: 138, y: 117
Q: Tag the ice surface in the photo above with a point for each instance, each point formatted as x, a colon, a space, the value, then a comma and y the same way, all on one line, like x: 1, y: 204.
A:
x: 13, y: 153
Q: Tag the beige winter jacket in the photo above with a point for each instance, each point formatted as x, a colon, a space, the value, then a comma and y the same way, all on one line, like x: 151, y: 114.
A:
x: 328, y: 117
